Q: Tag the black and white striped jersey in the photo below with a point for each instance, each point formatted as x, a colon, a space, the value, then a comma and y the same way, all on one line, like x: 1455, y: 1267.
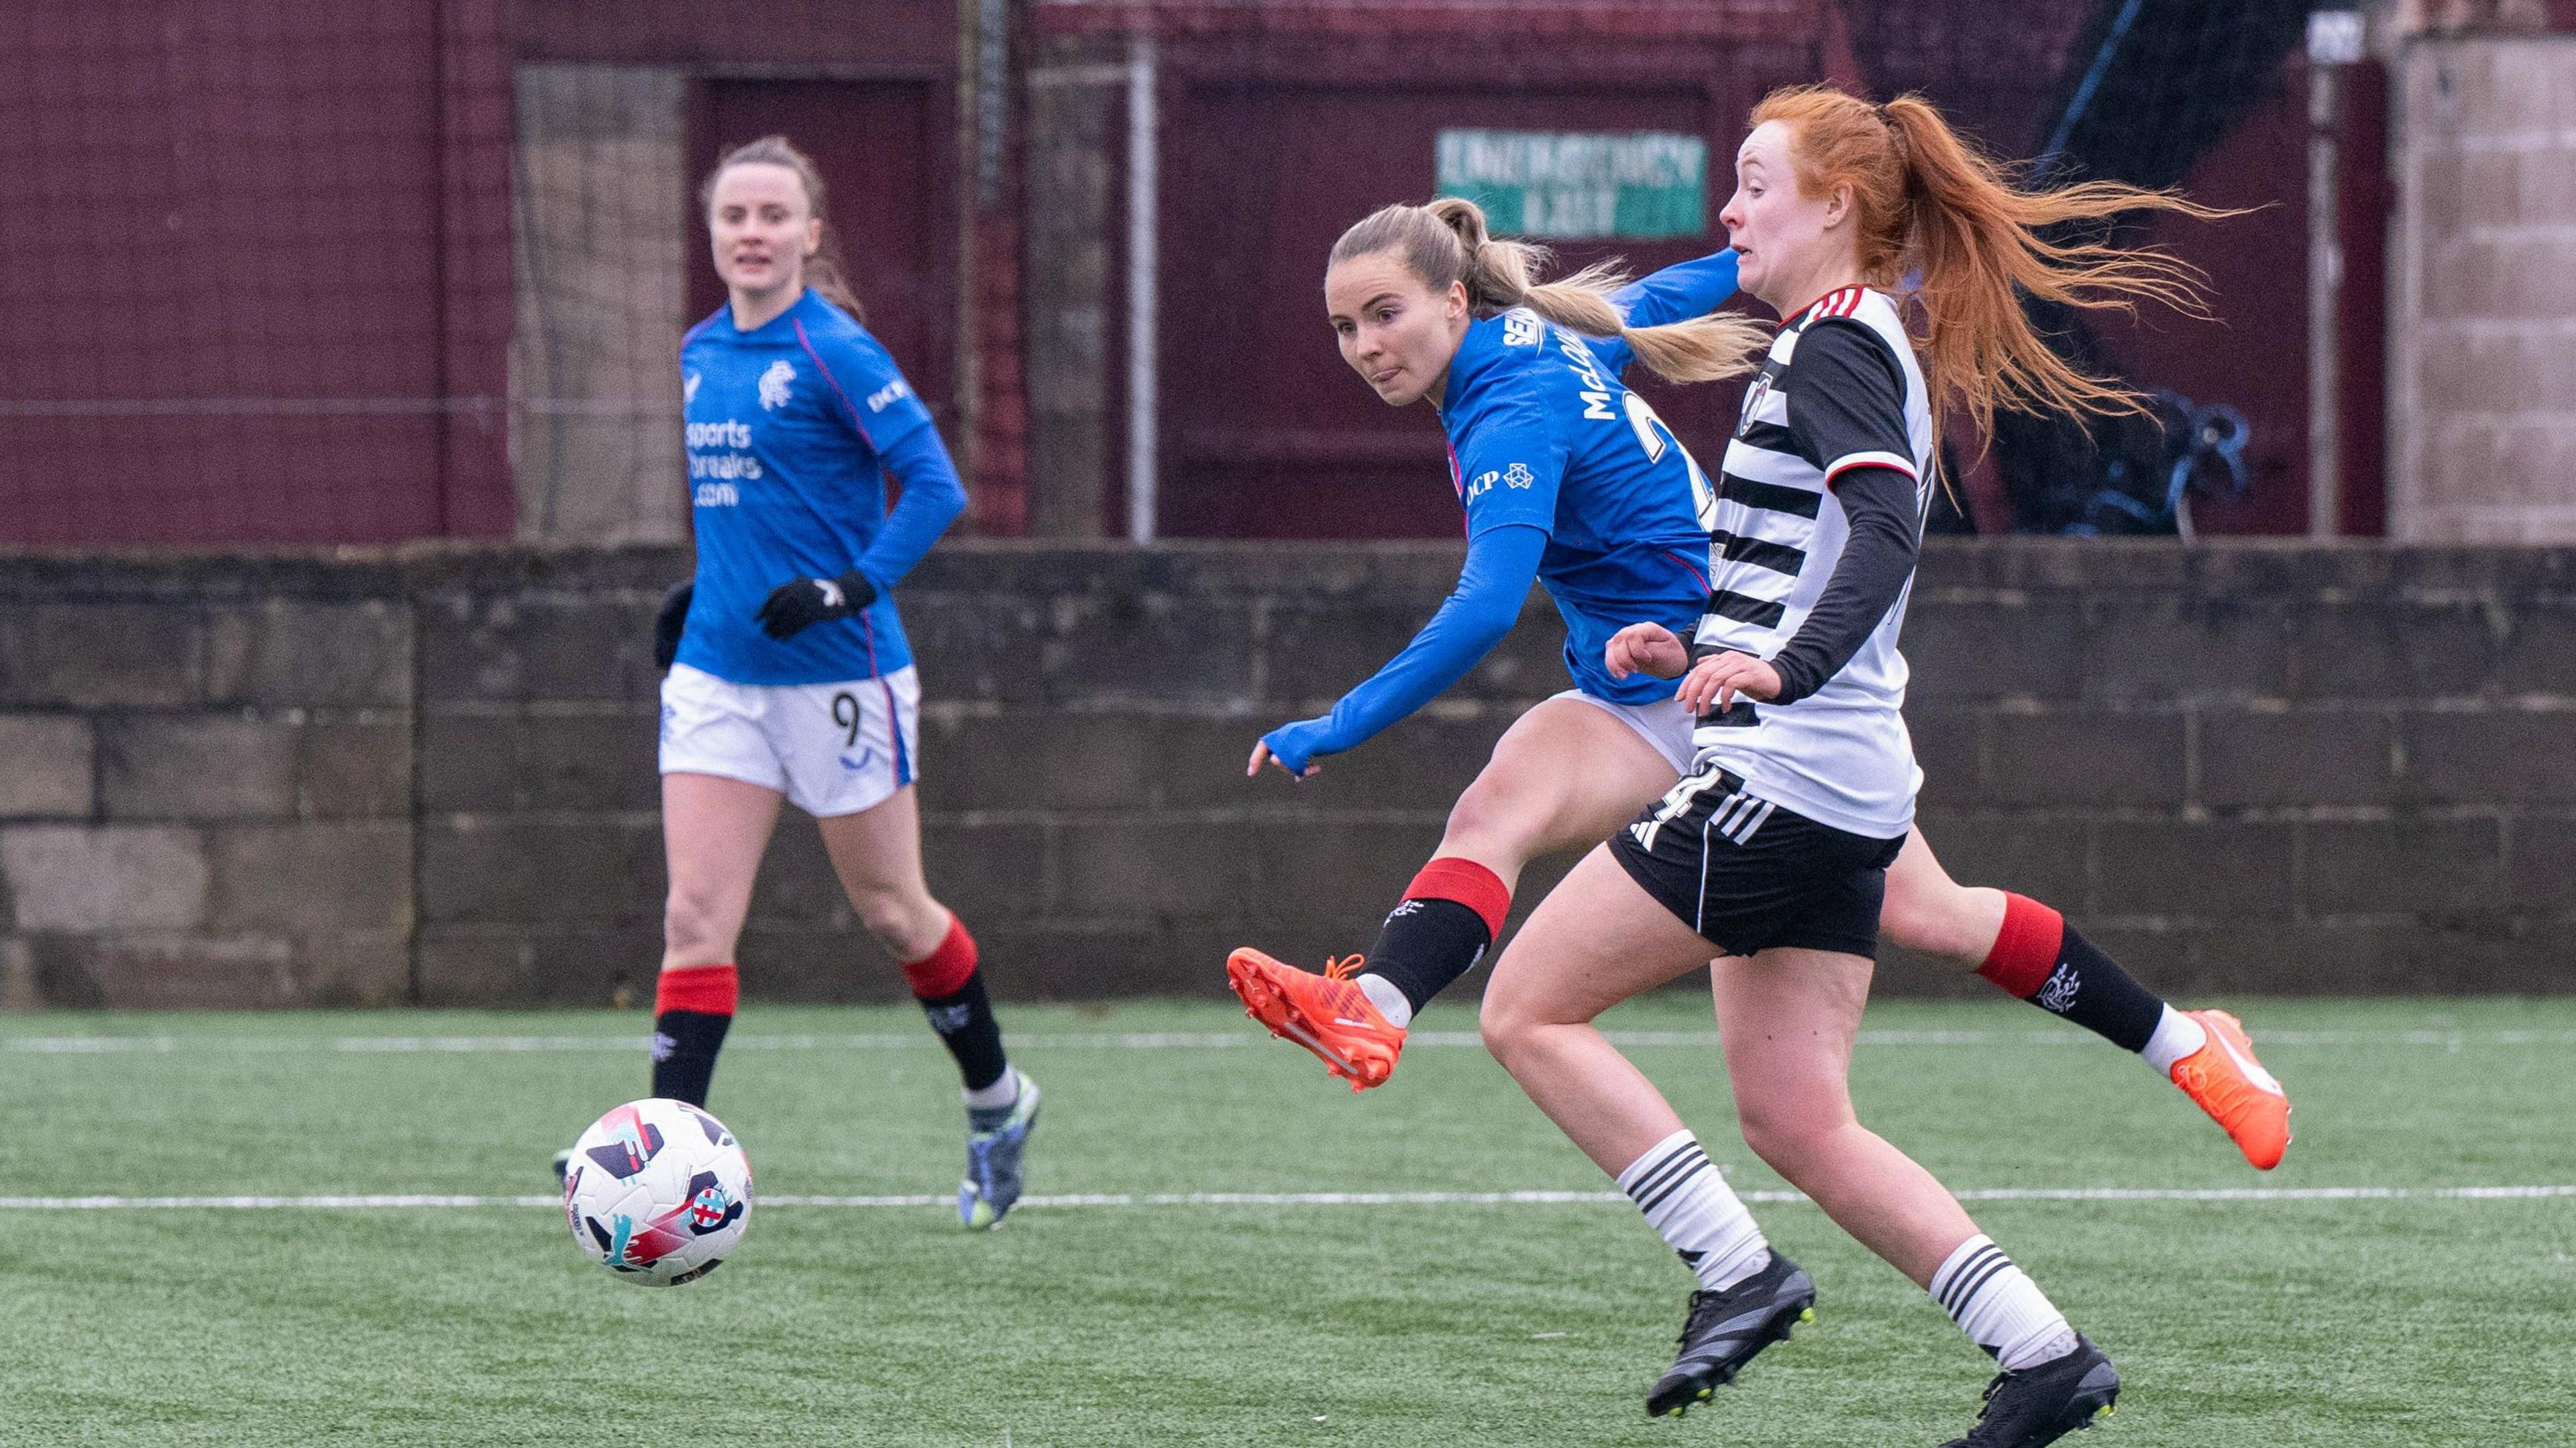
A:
x: 1841, y: 389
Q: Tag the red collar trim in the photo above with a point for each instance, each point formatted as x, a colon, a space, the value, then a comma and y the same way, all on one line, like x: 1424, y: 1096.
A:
x: 1840, y: 302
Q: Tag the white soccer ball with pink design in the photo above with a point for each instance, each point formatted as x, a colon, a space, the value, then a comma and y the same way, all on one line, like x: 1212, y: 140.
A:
x: 658, y: 1192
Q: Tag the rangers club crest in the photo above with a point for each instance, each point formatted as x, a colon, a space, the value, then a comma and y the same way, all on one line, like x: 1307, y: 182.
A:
x: 2058, y: 995
x: 774, y: 384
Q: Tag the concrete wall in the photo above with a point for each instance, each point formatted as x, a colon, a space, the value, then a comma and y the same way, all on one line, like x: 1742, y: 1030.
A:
x: 429, y: 776
x: 2482, y: 308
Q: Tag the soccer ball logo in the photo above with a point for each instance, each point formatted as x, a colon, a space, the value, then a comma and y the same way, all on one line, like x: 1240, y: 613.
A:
x: 659, y: 1192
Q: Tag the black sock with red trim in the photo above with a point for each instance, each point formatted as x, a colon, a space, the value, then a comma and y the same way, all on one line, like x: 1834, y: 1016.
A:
x: 1449, y: 915
x: 693, y: 1007
x: 2039, y: 958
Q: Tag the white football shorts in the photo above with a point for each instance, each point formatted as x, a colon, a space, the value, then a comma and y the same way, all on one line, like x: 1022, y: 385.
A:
x: 1664, y: 724
x: 832, y: 749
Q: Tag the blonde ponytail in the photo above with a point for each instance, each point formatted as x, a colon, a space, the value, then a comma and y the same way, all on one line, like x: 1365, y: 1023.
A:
x: 1446, y: 242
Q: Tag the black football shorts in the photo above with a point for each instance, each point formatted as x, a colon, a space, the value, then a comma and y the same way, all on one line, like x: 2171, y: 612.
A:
x: 1750, y: 876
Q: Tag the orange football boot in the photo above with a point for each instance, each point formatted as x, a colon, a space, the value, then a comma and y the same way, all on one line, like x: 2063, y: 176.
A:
x: 2228, y: 1083
x: 1327, y: 1014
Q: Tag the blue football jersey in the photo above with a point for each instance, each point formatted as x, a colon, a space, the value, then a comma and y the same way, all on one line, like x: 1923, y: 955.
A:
x: 793, y: 430
x: 1543, y: 434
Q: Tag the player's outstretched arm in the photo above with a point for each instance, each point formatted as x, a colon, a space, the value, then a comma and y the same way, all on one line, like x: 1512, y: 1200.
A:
x: 1679, y: 292
x: 1502, y: 563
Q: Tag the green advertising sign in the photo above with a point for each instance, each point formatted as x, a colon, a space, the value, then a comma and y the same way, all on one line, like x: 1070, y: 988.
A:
x: 1579, y: 183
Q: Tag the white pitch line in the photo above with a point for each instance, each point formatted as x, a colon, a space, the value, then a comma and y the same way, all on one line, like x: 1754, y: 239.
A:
x: 1143, y: 1041
x: 364, y: 1202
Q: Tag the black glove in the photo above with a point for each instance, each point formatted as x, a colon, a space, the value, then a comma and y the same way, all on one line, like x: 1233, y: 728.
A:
x: 803, y: 602
x: 669, y: 620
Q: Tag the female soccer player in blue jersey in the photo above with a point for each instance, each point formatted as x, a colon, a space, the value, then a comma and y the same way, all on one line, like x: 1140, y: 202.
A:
x: 792, y: 679
x: 1569, y: 480
x: 1773, y: 849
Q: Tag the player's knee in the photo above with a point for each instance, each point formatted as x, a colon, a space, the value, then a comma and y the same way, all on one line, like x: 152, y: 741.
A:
x: 693, y: 925
x: 883, y: 914
x: 1503, y: 1022
x: 1491, y: 817
x: 1927, y: 915
x: 906, y: 922
x: 1787, y: 1134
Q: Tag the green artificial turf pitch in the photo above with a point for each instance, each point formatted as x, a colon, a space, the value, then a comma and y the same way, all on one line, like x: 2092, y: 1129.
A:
x: 2351, y: 1321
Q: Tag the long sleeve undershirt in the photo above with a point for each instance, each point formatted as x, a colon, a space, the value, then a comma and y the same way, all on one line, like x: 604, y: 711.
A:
x: 1877, y: 560
x: 1679, y: 292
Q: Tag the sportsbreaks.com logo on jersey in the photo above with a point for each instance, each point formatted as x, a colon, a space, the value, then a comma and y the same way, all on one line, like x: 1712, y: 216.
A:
x: 714, y: 472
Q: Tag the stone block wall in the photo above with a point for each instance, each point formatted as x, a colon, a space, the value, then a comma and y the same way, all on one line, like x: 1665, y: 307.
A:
x: 2261, y: 767
x: 429, y: 776
x: 205, y: 785
x: 2482, y: 363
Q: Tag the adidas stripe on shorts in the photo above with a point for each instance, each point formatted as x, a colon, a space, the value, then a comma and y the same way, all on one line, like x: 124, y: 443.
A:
x: 1750, y: 876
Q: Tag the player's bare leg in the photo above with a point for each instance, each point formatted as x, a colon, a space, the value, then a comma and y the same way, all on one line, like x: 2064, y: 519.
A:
x: 714, y: 832
x: 1566, y: 773
x: 1788, y: 1019
x: 1594, y: 942
x: 877, y: 854
x: 2028, y: 950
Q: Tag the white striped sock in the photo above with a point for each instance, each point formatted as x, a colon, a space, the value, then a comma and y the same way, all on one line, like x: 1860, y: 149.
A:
x: 2000, y: 1309
x: 1683, y: 1196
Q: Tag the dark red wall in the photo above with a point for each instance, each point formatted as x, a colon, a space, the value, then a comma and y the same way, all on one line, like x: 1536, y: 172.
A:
x: 256, y: 256
x: 1995, y: 71
x: 255, y: 261
x: 767, y: 36
x: 2254, y: 356
x: 1268, y: 152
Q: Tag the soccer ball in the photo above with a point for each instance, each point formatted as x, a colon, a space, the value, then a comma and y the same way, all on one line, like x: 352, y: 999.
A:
x: 658, y: 1192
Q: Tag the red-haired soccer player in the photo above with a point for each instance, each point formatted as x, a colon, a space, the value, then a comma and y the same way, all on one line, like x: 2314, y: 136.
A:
x: 1570, y: 481
x: 1774, y: 848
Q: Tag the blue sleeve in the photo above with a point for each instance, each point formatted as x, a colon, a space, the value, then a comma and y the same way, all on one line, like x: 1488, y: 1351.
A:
x: 1511, y: 463
x: 1675, y: 294
x: 1502, y: 563
x: 933, y: 496
x: 1678, y: 293
x: 890, y: 419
